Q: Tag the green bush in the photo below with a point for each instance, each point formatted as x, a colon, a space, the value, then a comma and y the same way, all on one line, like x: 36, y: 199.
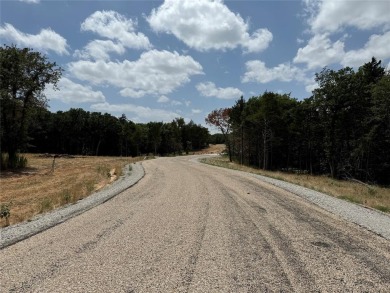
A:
x: 5, y: 213
x: 18, y: 162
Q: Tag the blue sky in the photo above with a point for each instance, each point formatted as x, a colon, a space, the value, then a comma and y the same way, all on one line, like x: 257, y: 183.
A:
x: 157, y: 60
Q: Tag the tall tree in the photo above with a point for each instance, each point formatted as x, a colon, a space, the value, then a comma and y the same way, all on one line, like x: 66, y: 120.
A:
x: 220, y: 119
x: 24, y: 75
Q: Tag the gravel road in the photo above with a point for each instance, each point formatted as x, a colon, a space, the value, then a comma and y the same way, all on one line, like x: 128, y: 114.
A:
x: 190, y: 227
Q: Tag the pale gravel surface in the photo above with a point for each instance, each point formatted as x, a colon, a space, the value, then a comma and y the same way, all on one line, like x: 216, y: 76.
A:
x: 15, y: 233
x: 190, y: 227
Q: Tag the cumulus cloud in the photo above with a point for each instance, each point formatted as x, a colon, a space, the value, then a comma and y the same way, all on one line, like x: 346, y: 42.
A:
x: 330, y: 15
x: 206, y: 24
x: 196, y: 111
x: 256, y: 71
x: 154, y: 73
x: 46, y: 40
x: 320, y: 51
x: 135, y: 112
x: 71, y: 92
x: 114, y: 26
x: 163, y: 99
x: 99, y: 49
x: 208, y: 89
x: 377, y: 46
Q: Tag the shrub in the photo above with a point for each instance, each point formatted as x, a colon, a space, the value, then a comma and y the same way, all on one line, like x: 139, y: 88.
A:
x: 18, y: 162
x: 5, y: 213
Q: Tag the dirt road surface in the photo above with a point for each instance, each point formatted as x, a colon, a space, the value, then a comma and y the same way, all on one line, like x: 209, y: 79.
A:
x: 189, y: 227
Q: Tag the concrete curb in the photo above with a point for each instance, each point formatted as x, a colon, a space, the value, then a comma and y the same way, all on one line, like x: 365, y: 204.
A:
x: 13, y: 234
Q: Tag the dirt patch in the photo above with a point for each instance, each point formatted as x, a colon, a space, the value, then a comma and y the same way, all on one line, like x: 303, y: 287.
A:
x: 40, y: 187
x: 212, y: 149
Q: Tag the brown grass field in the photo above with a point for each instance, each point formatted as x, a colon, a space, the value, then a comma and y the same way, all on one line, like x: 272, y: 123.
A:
x: 367, y: 195
x: 37, y: 189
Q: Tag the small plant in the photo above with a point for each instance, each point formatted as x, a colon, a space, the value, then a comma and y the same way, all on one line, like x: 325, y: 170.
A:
x: 66, y: 196
x: 5, y: 213
x: 45, y: 205
x: 18, y: 162
x: 130, y: 167
x: 103, y: 170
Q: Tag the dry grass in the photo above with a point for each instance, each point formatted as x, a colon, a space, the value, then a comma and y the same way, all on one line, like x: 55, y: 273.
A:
x: 36, y: 189
x: 368, y: 195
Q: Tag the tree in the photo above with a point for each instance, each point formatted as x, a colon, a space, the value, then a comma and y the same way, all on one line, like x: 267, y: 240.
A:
x: 220, y: 119
x: 24, y: 75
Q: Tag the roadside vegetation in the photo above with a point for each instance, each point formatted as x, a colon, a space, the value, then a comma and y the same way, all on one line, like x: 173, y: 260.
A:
x: 367, y: 195
x: 39, y: 187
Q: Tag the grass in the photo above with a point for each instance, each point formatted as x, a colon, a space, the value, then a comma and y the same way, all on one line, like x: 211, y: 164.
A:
x: 36, y: 189
x: 368, y: 195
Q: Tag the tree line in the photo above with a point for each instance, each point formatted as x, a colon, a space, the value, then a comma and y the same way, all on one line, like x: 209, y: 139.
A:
x: 27, y: 126
x: 80, y: 132
x: 342, y: 130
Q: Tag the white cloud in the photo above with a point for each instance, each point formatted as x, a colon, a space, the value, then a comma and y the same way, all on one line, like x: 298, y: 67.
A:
x: 258, y: 42
x: 154, y: 73
x: 208, y: 89
x: 46, y: 40
x: 112, y: 25
x: 31, y: 1
x: 378, y: 46
x: 330, y: 15
x: 196, y: 111
x: 163, y: 99
x: 137, y: 113
x: 320, y: 51
x: 99, y: 49
x: 256, y: 71
x: 71, y: 92
x: 206, y: 24
x: 176, y: 103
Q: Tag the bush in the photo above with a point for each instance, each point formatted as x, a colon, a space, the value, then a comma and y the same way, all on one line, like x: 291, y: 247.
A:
x: 5, y: 213
x: 18, y: 162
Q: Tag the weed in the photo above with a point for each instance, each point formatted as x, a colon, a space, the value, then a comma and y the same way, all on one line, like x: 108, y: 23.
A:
x: 66, y: 196
x: 46, y: 204
x: 90, y: 186
x: 5, y: 213
x: 103, y: 170
x: 371, y: 191
x: 130, y: 167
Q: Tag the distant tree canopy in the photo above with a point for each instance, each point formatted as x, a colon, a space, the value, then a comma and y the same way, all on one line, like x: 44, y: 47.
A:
x: 24, y: 75
x: 342, y: 130
x: 90, y: 133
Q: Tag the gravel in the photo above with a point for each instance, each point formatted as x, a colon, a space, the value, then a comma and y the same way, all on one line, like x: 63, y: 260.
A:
x: 370, y: 219
x: 12, y: 234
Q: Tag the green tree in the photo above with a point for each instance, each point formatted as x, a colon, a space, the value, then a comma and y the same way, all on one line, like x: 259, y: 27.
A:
x: 24, y: 75
x: 220, y: 118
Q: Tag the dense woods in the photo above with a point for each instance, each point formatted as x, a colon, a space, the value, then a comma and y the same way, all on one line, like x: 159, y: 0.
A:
x: 81, y: 132
x: 342, y: 130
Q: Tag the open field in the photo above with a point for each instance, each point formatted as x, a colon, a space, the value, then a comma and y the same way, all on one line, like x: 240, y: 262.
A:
x: 367, y: 195
x: 38, y: 189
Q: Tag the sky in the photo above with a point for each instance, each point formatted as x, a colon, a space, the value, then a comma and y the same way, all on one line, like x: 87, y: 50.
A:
x: 158, y: 60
